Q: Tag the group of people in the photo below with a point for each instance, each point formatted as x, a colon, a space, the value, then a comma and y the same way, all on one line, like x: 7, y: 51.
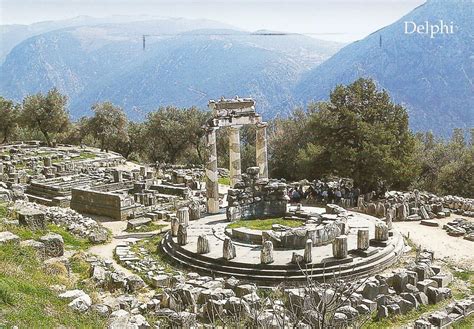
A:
x: 325, y: 192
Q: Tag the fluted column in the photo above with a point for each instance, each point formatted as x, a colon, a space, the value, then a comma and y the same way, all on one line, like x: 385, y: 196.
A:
x: 234, y: 155
x: 262, y: 161
x: 212, y: 186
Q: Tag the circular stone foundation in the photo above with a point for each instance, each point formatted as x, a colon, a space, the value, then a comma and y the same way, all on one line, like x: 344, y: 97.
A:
x: 246, y: 265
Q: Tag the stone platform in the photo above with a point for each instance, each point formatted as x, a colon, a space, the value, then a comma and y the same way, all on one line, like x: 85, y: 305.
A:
x: 246, y: 265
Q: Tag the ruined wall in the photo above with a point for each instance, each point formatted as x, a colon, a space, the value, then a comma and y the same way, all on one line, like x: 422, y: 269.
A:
x: 254, y: 198
x: 102, y: 203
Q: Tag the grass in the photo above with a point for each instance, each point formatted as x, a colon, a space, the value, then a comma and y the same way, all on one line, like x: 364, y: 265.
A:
x: 26, y: 299
x: 20, y: 166
x: 147, y: 228
x: 224, y: 180
x: 468, y: 277
x: 3, y: 210
x: 466, y: 323
x: 265, y: 224
x: 71, y: 241
x: 151, y: 245
x: 401, y: 320
x: 85, y: 156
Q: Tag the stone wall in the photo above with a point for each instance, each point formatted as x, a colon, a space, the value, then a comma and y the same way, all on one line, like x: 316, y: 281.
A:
x: 254, y: 198
x: 115, y: 206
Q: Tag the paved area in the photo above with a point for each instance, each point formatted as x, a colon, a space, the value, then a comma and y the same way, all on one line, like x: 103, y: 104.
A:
x: 214, y: 226
x: 454, y: 250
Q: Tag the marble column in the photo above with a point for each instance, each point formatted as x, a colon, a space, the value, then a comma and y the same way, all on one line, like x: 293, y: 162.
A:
x: 381, y: 231
x: 339, y: 247
x: 234, y: 155
x: 363, y: 239
x: 183, y: 216
x: 212, y: 186
x: 262, y: 161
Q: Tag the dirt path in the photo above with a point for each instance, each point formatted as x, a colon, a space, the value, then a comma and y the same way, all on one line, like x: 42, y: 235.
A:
x: 454, y: 250
x: 106, y: 251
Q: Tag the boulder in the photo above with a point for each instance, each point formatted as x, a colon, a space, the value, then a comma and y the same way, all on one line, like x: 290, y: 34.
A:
x: 54, y: 244
x: 8, y: 237
x: 134, y: 283
x: 81, y: 304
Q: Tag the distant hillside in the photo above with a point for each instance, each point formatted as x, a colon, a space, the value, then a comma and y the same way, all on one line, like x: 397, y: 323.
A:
x: 432, y: 77
x: 186, y: 62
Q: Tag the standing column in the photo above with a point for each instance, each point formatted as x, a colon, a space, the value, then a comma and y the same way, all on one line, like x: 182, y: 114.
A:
x: 261, y: 147
x: 234, y: 155
x: 212, y: 187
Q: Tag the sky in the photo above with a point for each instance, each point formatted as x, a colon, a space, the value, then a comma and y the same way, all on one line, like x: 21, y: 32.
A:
x: 337, y: 20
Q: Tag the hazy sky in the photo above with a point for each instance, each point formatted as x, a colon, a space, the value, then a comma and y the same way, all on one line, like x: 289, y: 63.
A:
x: 339, y: 20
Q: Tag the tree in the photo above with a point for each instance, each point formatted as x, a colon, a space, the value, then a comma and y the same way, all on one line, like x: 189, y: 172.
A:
x: 447, y: 167
x: 286, y: 137
x: 9, y: 118
x: 360, y: 133
x: 47, y: 113
x: 109, y: 126
x: 171, y: 132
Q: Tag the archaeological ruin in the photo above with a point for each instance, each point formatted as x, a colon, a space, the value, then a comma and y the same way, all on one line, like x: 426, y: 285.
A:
x: 167, y: 241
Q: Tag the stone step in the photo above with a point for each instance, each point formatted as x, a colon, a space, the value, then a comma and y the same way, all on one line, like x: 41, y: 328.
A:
x: 274, y: 276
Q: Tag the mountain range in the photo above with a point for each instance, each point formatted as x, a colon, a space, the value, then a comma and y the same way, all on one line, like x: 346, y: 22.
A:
x: 187, y: 62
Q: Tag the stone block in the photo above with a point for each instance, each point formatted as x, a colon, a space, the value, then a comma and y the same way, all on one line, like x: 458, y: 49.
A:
x: 382, y: 312
x: 394, y: 309
x: 400, y: 280
x: 8, y: 237
x: 372, y: 306
x: 370, y: 291
x: 54, y: 244
x: 422, y: 324
x: 439, y: 319
x: 133, y: 224
x: 436, y: 295
x: 423, y: 285
x: 424, y: 271
x: 32, y: 218
x: 442, y: 280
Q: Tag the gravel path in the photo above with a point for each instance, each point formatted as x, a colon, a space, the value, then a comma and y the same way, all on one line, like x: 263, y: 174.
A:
x: 454, y: 250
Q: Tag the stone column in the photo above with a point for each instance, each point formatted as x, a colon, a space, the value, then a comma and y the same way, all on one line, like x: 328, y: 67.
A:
x: 117, y: 176
x: 212, y: 187
x: 381, y: 232
x: 234, y: 155
x: 203, y: 244
x: 174, y: 226
x: 261, y: 147
x: 183, y: 216
x: 389, y: 215
x: 182, y: 235
x: 228, y: 249
x: 339, y: 247
x: 266, y: 254
x: 47, y: 161
x: 308, y: 257
x: 194, y: 211
x: 363, y: 239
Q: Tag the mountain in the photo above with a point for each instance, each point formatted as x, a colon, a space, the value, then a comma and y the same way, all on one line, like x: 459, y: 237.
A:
x: 12, y: 35
x: 185, y: 62
x: 431, y: 77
